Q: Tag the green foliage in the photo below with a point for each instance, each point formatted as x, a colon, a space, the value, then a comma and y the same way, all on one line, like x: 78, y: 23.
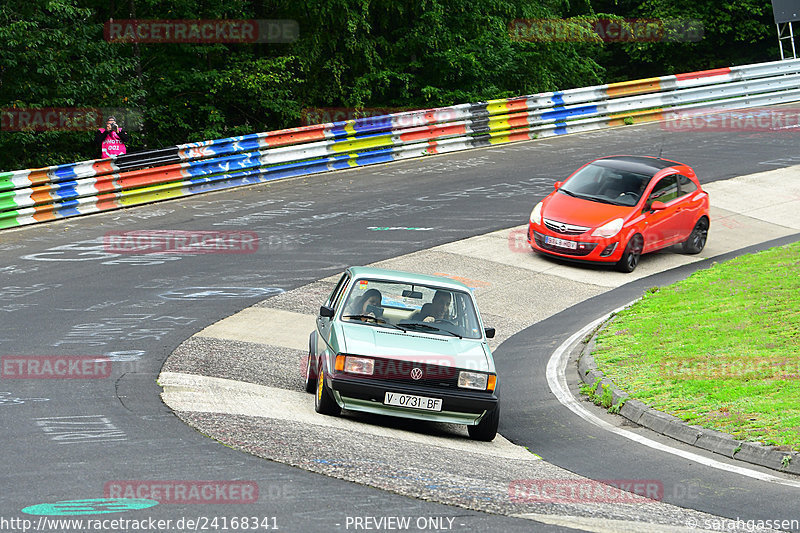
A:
x: 349, y: 53
x: 733, y: 33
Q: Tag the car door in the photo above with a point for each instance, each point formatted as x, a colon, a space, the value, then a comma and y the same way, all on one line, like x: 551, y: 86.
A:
x: 660, y: 225
x: 689, y: 205
x: 325, y: 324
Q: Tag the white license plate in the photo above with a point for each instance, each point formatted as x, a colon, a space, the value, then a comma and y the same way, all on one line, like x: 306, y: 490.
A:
x: 414, y: 402
x: 561, y: 243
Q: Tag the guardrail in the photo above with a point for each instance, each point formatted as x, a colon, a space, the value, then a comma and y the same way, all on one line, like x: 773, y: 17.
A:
x: 38, y: 195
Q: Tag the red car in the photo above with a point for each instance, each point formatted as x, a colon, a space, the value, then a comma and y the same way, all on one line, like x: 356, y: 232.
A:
x: 616, y: 208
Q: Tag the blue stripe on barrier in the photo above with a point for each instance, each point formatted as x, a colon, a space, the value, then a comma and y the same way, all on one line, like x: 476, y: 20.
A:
x: 558, y: 98
x: 62, y: 172
x: 561, y: 128
x: 564, y: 112
x: 65, y: 189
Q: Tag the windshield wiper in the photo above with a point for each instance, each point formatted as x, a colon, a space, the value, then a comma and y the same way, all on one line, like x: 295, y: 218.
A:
x: 598, y: 199
x: 569, y: 193
x: 413, y: 325
x: 378, y: 321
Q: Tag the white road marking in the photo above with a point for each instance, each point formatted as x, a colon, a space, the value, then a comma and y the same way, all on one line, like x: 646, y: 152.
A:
x: 193, y: 392
x: 557, y: 380
x: 265, y: 326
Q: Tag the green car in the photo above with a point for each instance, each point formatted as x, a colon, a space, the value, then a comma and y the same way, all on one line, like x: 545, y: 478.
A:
x: 407, y: 345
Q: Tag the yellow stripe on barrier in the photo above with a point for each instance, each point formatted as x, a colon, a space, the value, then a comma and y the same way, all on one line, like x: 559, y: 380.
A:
x: 362, y: 144
x: 629, y: 88
x: 164, y: 191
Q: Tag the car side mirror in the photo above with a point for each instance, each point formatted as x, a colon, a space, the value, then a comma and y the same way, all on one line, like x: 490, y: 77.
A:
x: 489, y: 332
x: 558, y: 184
x: 326, y: 312
x: 657, y: 206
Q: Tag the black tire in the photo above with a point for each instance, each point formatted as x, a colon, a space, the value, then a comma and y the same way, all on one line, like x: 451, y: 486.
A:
x: 323, y: 401
x: 486, y: 430
x: 310, y: 383
x: 697, y: 239
x: 630, y: 257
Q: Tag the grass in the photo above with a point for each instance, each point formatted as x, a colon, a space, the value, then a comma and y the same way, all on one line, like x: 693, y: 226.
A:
x: 720, y: 349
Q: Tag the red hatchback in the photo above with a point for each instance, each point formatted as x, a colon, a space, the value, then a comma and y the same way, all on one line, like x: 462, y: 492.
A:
x: 616, y: 208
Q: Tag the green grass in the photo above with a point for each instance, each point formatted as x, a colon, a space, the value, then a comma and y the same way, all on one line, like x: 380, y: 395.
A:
x: 720, y: 349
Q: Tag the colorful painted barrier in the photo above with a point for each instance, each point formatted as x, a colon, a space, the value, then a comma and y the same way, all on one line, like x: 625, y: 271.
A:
x: 38, y: 195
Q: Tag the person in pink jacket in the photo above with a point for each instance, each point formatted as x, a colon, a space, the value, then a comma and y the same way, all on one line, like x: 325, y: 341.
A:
x: 111, y: 139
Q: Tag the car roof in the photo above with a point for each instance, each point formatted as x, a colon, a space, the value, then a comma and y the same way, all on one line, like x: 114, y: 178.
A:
x: 638, y: 164
x: 359, y: 272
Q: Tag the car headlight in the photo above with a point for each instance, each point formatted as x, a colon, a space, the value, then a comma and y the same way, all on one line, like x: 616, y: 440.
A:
x: 473, y: 380
x: 359, y: 365
x: 536, y: 214
x: 608, y: 230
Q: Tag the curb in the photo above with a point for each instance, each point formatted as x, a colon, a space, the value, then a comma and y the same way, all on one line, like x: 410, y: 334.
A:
x: 671, y: 426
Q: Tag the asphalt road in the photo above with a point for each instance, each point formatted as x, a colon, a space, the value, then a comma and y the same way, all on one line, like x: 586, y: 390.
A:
x: 64, y: 293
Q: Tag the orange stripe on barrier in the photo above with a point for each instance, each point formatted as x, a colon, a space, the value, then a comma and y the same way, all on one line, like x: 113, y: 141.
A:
x: 44, y: 213
x: 41, y: 194
x: 628, y: 88
x: 38, y: 176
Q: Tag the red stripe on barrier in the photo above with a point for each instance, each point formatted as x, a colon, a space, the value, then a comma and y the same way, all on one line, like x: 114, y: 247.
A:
x: 103, y: 167
x: 426, y: 132
x: 150, y: 176
x: 106, y: 183
x: 107, y: 201
x: 703, y: 74
x: 294, y: 135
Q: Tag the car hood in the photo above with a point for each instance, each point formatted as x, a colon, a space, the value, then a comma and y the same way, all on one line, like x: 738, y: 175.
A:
x: 565, y: 208
x: 389, y: 343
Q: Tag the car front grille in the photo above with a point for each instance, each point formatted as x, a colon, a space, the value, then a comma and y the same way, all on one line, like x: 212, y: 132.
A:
x: 584, y: 248
x: 400, y: 371
x: 564, y: 228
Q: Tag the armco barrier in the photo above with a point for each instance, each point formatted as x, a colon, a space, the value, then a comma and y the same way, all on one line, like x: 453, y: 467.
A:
x: 38, y: 195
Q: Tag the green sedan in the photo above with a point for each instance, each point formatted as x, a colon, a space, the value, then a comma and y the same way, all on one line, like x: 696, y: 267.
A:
x: 407, y: 345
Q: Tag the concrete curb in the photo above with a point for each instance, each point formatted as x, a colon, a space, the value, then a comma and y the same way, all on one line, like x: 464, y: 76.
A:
x: 671, y: 426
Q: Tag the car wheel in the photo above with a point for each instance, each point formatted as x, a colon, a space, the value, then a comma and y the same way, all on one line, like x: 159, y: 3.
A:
x: 323, y: 400
x: 697, y: 239
x: 310, y: 381
x: 630, y: 257
x: 486, y: 430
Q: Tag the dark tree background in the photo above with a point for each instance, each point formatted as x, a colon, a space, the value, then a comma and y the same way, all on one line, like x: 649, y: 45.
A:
x: 350, y: 53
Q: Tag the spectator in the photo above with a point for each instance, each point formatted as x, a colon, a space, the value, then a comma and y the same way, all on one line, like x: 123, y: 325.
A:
x: 111, y: 140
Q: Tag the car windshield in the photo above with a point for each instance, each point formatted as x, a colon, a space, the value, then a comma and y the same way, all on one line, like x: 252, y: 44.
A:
x: 600, y: 183
x: 412, y: 307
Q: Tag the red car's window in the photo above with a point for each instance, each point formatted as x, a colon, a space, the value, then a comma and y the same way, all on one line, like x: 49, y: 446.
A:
x: 687, y: 185
x: 665, y: 190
